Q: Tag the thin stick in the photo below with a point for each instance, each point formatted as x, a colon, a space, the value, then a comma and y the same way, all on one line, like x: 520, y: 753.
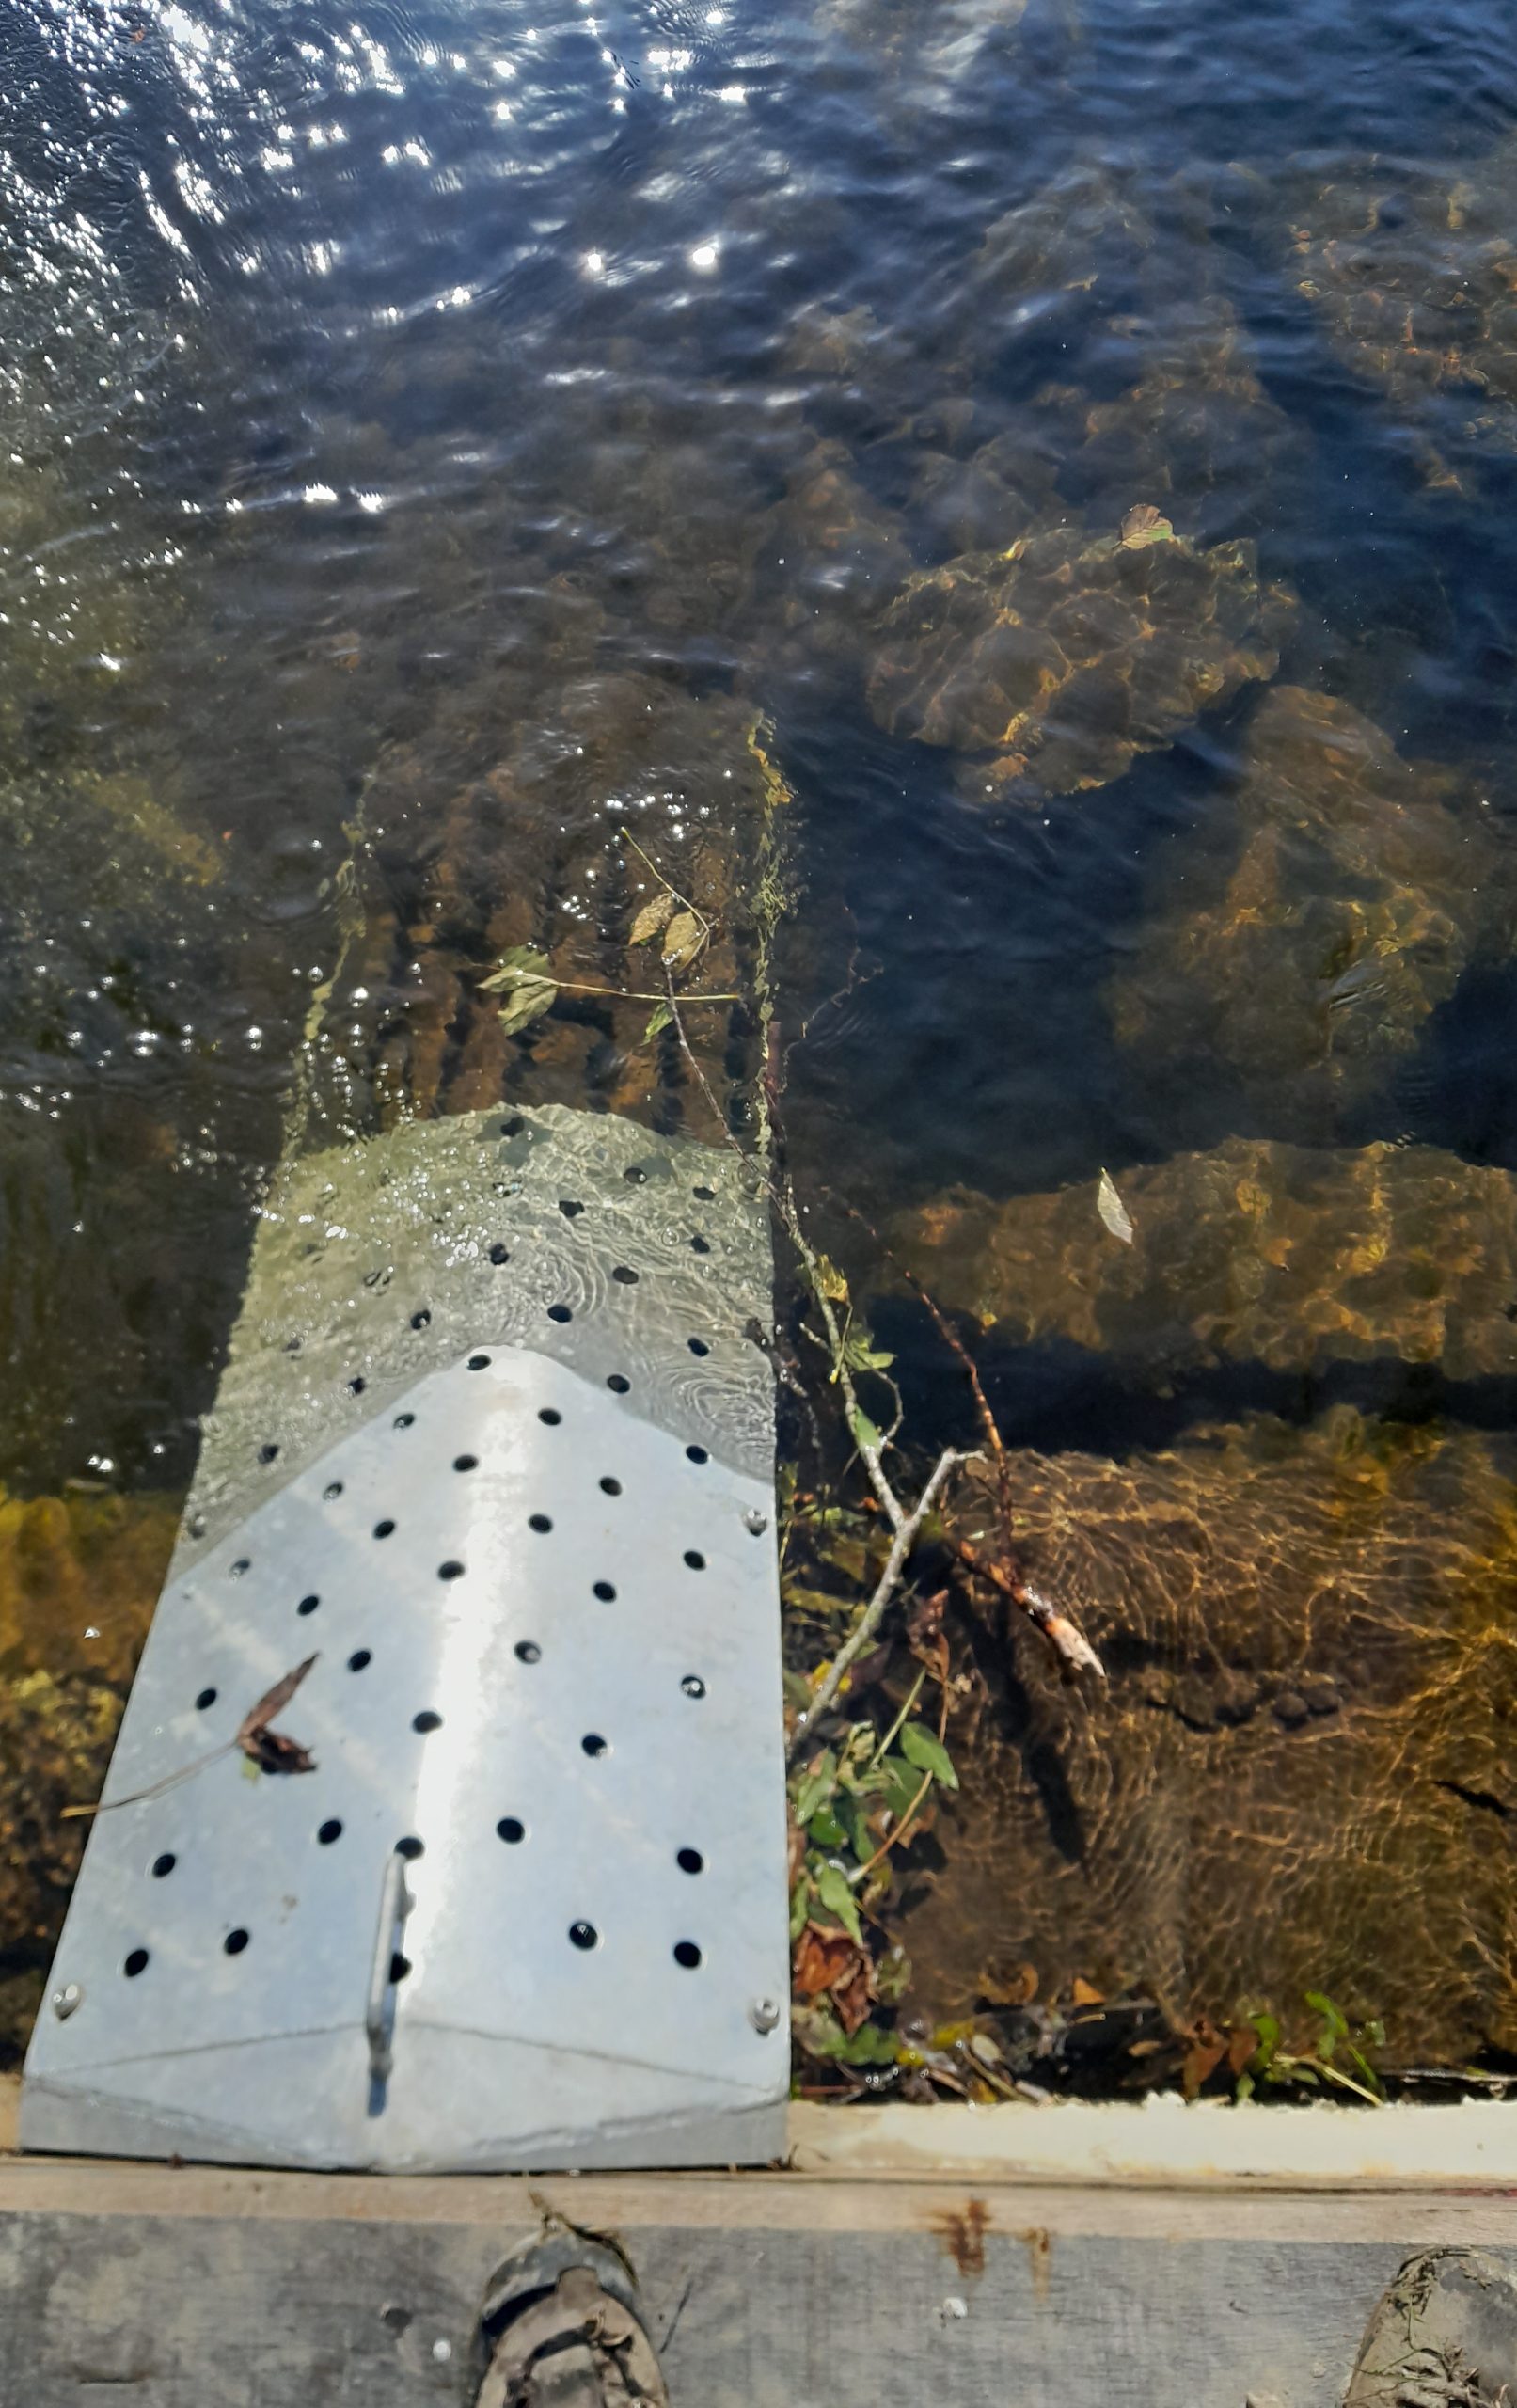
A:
x: 140, y: 1797
x: 634, y: 994
x: 674, y: 1002
x: 667, y: 885
x: 874, y: 1614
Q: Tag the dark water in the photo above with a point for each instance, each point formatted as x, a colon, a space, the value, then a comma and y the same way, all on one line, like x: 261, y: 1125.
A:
x: 423, y: 385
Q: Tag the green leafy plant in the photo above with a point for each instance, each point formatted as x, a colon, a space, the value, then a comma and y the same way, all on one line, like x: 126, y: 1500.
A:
x: 1319, y: 2066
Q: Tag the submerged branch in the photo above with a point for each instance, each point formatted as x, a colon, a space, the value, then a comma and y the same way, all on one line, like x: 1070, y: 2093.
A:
x: 908, y: 1528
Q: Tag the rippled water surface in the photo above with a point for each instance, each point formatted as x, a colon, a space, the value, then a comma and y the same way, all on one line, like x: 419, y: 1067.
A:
x: 1071, y: 446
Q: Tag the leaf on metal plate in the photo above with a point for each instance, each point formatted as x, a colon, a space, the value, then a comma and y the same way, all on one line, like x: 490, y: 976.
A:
x: 923, y: 1749
x: 273, y: 1751
x: 1112, y: 1208
x: 682, y: 939
x: 653, y: 919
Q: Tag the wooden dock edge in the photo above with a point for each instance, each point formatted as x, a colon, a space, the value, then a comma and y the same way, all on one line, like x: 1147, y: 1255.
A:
x: 899, y: 2249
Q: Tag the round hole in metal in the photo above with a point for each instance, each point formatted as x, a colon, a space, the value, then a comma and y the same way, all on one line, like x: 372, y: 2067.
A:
x: 399, y: 1967
x: 307, y: 1605
x: 559, y: 1314
x: 611, y: 1487
x: 359, y: 1659
x: 410, y: 1847
x: 605, y: 1592
x: 635, y: 1177
x: 706, y: 1195
x: 466, y: 1463
x: 451, y: 1570
x: 268, y: 1452
x: 513, y: 1127
x: 686, y: 1954
x: 421, y: 1319
x: 235, y: 1571
x: 529, y: 1652
x: 695, y: 1559
x: 197, y: 1527
x: 385, y: 1529
x: 331, y: 1829
x: 618, y: 1384
x: 542, y: 1523
x: 356, y: 1387
x: 511, y: 1830
x: 236, y: 1941
x: 550, y: 1413
x: 699, y: 1245
x: 499, y: 1254
x: 697, y: 1454
x: 697, y: 1346
x: 332, y: 1490
x: 625, y: 1277
x: 692, y: 1685
x: 207, y: 1698
x: 135, y: 1963
x: 403, y: 1422
x: 426, y: 1721
x: 583, y: 1935
x: 569, y: 1208
x: 479, y: 1362
x: 163, y: 1865
x: 592, y: 1744
x: 690, y: 1859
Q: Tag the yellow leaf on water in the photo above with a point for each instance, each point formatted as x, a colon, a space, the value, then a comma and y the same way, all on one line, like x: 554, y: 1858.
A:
x: 1112, y: 1208
x: 1143, y: 525
x: 653, y: 919
x: 682, y: 939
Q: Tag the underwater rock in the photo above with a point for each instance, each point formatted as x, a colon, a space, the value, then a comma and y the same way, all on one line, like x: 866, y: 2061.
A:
x: 1299, y: 1775
x: 1414, y: 272
x: 55, y: 1739
x: 1355, y: 902
x: 1067, y: 655
x: 79, y: 1577
x: 838, y: 555
x: 529, y: 850
x: 1256, y: 1252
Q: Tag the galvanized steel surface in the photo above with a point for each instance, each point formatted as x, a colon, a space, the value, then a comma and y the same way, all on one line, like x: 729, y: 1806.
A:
x: 547, y: 1626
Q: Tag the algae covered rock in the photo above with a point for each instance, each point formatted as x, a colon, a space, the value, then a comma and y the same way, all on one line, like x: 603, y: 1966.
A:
x: 1414, y: 272
x: 1073, y: 651
x: 1255, y: 1252
x: 1295, y: 1778
x: 1357, y: 898
x: 79, y: 1577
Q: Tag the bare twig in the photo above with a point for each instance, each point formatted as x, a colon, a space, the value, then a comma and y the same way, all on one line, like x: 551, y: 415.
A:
x: 907, y: 1526
x: 674, y: 1002
x: 1068, y: 1642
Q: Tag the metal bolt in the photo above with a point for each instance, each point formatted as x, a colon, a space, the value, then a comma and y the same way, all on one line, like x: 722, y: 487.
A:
x: 67, y: 1999
x: 755, y: 1521
x: 763, y: 2014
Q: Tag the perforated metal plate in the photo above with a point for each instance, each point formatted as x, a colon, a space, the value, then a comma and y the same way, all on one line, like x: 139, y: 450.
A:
x: 530, y: 1909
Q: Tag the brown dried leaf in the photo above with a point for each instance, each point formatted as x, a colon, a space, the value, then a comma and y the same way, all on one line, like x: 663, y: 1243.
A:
x: 272, y: 1750
x: 823, y: 1957
x: 1009, y: 1985
x: 1085, y: 1993
x: 653, y: 919
x: 854, y: 1997
x: 682, y: 939
x: 1143, y: 525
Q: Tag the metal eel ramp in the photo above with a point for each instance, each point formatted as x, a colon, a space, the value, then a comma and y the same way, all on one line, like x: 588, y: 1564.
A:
x: 495, y: 1443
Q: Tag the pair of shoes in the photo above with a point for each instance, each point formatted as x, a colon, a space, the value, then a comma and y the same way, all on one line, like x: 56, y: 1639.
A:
x: 1443, y: 2335
x: 561, y: 2329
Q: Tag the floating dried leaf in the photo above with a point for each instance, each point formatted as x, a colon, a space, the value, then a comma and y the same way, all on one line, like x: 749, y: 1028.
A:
x: 653, y: 919
x: 1112, y: 1208
x: 682, y: 939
